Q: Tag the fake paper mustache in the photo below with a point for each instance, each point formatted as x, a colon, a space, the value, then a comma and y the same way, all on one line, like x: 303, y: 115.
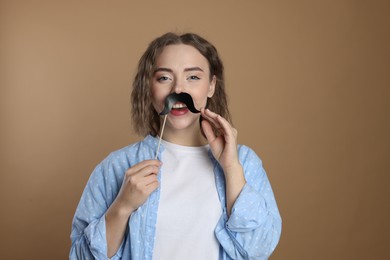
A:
x: 183, y: 97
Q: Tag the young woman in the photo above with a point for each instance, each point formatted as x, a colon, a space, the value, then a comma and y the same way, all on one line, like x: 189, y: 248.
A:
x: 197, y: 196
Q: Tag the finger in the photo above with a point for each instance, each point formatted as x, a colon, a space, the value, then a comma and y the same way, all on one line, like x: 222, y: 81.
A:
x: 150, y: 179
x: 212, y: 118
x: 210, y: 115
x: 226, y: 126
x: 220, y: 123
x: 142, y: 165
x: 208, y: 131
x: 218, y: 119
x: 151, y: 187
x: 147, y: 170
x: 141, y: 183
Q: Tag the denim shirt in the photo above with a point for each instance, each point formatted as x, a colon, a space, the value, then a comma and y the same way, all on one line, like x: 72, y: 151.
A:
x: 252, y: 230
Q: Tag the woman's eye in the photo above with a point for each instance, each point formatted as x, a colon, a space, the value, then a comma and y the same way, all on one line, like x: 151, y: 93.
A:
x: 194, y: 77
x: 162, y: 78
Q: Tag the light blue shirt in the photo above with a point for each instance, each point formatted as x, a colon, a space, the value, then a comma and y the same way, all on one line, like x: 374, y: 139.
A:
x: 252, y: 230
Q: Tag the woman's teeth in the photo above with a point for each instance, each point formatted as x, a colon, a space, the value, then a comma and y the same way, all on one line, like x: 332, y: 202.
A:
x: 178, y: 106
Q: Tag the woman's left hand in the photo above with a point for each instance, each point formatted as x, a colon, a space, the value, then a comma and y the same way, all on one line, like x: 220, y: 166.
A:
x: 223, y: 145
x: 224, y: 148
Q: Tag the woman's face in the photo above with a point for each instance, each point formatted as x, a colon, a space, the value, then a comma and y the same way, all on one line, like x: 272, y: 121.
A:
x: 181, y: 68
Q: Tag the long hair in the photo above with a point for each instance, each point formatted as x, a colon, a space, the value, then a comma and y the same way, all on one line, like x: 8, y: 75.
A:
x: 144, y: 117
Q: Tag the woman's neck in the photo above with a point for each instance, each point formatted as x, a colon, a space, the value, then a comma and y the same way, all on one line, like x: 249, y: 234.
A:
x: 185, y: 137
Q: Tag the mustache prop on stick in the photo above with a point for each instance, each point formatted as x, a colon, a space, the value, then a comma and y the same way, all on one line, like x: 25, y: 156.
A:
x: 181, y: 97
x: 170, y: 100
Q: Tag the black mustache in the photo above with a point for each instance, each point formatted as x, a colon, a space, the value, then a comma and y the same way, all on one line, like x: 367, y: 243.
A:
x: 183, y: 97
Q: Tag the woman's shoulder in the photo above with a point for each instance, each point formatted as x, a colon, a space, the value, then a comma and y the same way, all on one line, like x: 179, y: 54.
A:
x: 246, y: 153
x: 245, y: 149
x: 145, y: 146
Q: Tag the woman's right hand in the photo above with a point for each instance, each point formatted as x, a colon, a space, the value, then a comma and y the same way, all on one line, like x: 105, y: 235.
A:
x: 138, y: 183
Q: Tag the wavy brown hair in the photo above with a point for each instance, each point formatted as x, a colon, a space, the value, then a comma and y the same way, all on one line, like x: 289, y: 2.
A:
x: 144, y: 117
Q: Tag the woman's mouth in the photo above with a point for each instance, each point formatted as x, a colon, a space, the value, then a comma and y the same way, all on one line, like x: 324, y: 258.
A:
x: 179, y: 109
x: 179, y: 106
x: 175, y: 101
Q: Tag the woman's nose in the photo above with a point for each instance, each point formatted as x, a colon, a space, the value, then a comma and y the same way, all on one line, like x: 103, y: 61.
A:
x: 177, y: 87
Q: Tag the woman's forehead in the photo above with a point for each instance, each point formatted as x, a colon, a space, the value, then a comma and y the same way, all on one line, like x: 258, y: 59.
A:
x: 181, y: 56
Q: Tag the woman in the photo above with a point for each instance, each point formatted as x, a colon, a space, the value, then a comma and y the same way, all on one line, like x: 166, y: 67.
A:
x: 201, y: 196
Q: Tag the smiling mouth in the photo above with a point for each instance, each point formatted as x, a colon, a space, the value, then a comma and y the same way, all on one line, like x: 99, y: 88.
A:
x: 179, y: 106
x: 177, y: 100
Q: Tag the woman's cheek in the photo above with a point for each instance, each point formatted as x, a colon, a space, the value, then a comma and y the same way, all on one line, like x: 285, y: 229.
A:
x: 158, y: 100
x: 158, y: 105
x: 201, y: 103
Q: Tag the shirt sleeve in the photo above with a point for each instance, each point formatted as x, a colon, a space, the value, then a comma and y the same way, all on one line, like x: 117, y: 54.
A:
x: 88, y: 234
x: 253, y: 229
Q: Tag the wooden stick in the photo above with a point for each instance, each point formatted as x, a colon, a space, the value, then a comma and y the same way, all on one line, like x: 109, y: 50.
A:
x: 161, y: 134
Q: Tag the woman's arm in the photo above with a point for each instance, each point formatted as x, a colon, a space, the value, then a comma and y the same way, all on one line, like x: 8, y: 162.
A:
x: 101, y: 218
x: 224, y: 149
x: 88, y: 226
x: 252, y: 226
x: 235, y: 182
x: 139, y: 182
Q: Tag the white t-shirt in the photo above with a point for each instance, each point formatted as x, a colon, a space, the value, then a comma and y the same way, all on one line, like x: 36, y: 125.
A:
x: 189, y: 207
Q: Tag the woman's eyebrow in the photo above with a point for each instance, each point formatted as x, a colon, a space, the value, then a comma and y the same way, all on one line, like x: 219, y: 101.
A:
x: 163, y: 69
x: 170, y: 70
x: 193, y: 69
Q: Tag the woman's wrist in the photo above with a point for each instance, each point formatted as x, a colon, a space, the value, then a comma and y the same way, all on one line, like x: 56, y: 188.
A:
x: 233, y: 170
x: 118, y: 212
x: 235, y: 182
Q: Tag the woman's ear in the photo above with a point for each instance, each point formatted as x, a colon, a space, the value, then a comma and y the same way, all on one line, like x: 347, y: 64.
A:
x: 213, y: 82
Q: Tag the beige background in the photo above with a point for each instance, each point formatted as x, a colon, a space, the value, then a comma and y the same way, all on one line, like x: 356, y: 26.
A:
x: 309, y: 91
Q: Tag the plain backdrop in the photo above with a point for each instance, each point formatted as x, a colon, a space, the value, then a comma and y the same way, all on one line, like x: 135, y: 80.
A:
x: 308, y: 84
